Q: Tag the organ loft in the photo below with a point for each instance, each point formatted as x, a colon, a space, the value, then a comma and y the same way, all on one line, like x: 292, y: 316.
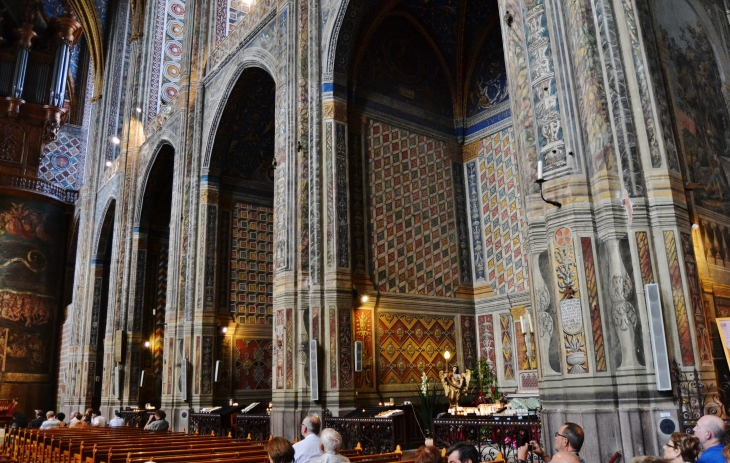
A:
x: 308, y: 203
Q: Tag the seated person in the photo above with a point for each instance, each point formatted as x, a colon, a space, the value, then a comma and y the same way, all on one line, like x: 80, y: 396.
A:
x: 78, y: 421
x: 51, y: 421
x: 329, y: 443
x: 97, y: 420
x: 279, y: 450
x: 428, y: 454
x: 157, y: 422
x: 38, y: 420
x: 19, y: 420
x: 61, y: 417
x: 117, y: 421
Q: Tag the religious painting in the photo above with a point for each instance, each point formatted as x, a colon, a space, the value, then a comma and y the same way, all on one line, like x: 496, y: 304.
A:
x: 699, y: 107
x: 32, y: 241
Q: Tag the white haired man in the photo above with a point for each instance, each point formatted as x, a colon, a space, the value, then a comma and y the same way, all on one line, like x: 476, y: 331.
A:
x: 307, y: 449
x: 51, y: 421
x: 330, y: 443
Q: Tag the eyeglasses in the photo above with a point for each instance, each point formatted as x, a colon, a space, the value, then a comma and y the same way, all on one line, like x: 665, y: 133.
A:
x: 561, y: 435
x: 669, y: 444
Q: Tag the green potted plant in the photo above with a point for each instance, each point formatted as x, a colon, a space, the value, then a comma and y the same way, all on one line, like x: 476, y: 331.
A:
x: 486, y: 385
x: 428, y: 398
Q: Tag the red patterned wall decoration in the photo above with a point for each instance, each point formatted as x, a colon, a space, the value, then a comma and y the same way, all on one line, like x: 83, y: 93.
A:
x: 523, y: 362
x: 253, y: 361
x: 723, y: 307
x: 412, y: 344
x: 315, y: 323
x: 680, y: 306
x: 289, y: 349
x: 695, y: 297
x: 333, y: 348
x: 647, y: 272
x: 505, y: 320
x: 413, y: 240
x: 364, y: 334
x: 593, y: 302
x: 468, y: 341
x: 486, y: 338
x: 345, y: 326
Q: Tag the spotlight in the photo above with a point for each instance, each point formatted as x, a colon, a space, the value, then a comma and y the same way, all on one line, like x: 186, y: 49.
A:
x: 108, y: 163
x: 364, y: 298
x: 447, y: 355
x: 695, y: 226
x: 147, y: 344
x: 224, y: 330
x: 116, y: 140
x: 139, y: 110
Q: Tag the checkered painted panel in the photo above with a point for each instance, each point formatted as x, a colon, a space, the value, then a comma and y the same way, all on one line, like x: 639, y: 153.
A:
x: 414, y: 240
x: 252, y: 267
x: 253, y: 363
x: 63, y: 159
x: 502, y: 213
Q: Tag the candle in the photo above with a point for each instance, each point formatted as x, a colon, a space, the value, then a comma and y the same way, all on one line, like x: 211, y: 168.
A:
x: 539, y: 170
x: 522, y: 325
x: 529, y: 323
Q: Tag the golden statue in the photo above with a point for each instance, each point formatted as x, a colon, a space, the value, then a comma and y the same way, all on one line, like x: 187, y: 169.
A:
x: 454, y: 384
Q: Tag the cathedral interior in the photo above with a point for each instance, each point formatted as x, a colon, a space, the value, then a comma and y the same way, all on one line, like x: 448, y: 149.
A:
x: 309, y: 203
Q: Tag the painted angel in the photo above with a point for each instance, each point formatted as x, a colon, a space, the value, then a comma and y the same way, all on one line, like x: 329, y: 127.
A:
x: 454, y: 384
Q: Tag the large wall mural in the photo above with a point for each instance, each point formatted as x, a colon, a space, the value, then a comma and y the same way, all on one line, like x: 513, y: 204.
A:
x: 700, y: 110
x: 488, y: 86
x: 411, y: 345
x: 32, y: 239
x: 413, y: 240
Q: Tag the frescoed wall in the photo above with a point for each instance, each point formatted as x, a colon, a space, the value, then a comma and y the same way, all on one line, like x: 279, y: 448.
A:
x: 700, y: 109
x: 413, y: 244
x: 32, y: 240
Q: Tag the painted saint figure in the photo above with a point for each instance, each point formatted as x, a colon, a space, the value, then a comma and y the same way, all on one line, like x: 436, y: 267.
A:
x: 454, y: 384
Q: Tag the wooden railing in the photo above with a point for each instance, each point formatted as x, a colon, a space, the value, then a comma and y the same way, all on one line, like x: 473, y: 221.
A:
x: 39, y: 185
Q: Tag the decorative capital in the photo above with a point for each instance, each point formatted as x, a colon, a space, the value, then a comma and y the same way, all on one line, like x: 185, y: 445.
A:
x: 66, y: 29
x: 25, y: 35
x: 52, y: 123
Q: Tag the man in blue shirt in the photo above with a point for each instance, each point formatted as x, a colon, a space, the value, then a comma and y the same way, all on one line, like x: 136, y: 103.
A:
x: 710, y: 430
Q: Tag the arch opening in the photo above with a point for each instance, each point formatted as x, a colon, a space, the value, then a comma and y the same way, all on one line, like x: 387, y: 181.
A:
x: 242, y: 175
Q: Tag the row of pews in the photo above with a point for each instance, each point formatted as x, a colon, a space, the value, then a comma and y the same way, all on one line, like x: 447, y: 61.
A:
x: 133, y: 445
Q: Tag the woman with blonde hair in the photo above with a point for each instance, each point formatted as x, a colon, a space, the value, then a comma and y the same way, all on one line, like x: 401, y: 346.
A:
x: 681, y: 448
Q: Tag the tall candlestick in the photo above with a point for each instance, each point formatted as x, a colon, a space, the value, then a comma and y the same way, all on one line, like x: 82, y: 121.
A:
x: 539, y: 170
x: 522, y: 325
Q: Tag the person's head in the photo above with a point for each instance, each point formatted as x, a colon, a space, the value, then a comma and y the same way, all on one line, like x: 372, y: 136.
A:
x: 79, y: 416
x: 50, y: 414
x: 61, y: 416
x: 330, y: 441
x: 710, y: 430
x: 95, y: 413
x: 89, y: 411
x: 455, y: 369
x: 160, y: 415
x: 681, y: 447
x: 311, y: 425
x: 117, y: 413
x: 461, y: 452
x: 569, y: 438
x: 428, y: 454
x: 279, y: 450
x: 39, y: 413
x: 648, y: 459
x: 565, y: 457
